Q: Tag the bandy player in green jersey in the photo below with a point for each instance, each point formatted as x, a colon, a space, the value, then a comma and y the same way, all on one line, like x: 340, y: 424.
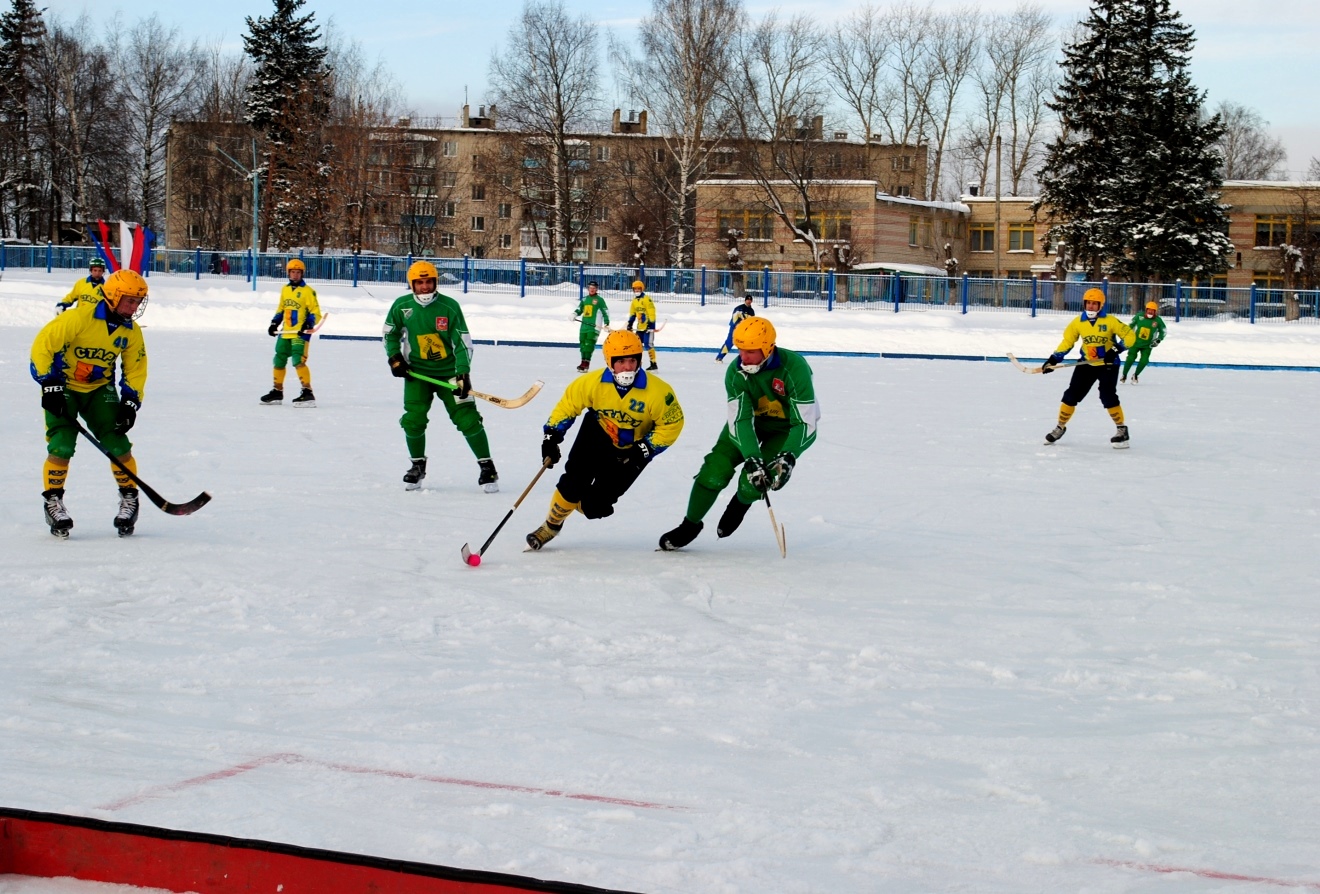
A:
x: 425, y: 332
x: 772, y: 420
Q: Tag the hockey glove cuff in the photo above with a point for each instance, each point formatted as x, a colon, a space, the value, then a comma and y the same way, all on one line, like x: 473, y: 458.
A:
x: 780, y: 470
x: 126, y: 415
x: 1050, y: 362
x: 274, y: 324
x: 550, y: 448
x: 52, y: 399
x: 644, y: 451
x: 464, y: 389
x: 757, y: 476
x: 398, y: 366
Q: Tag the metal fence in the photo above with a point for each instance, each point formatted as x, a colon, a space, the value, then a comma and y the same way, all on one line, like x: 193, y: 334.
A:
x: 769, y: 288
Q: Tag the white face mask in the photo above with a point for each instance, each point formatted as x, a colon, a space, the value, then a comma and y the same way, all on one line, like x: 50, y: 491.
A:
x: 626, y: 378
x: 425, y: 299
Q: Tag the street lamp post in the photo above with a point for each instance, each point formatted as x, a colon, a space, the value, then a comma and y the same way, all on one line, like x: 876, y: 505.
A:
x: 256, y: 197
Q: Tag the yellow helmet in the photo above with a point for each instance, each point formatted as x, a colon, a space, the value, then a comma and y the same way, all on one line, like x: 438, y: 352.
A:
x: 296, y: 264
x: 638, y: 284
x: 1093, y: 295
x: 422, y: 270
x: 621, y: 343
x: 755, y: 334
x: 1151, y: 305
x: 125, y: 284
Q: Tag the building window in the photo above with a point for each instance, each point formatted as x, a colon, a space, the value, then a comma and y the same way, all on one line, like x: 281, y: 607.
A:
x: 754, y: 224
x: 1021, y: 237
x: 448, y: 178
x: 194, y: 231
x: 446, y: 240
x: 449, y: 149
x: 903, y: 191
x: 478, y: 224
x: 914, y: 228
x: 601, y: 214
x: 602, y: 153
x: 478, y: 192
x: 505, y: 211
x: 834, y: 161
x: 602, y: 243
x: 476, y: 163
x: 506, y: 181
x: 722, y: 159
x: 835, y: 226
x: 506, y: 240
x: 448, y: 209
x: 981, y: 237
x: 629, y: 166
x: 477, y: 251
x: 1271, y: 230
x: 901, y: 162
x: 660, y: 154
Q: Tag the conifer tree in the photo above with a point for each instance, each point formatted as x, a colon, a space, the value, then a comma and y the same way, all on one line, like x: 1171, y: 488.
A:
x: 21, y: 31
x: 287, y: 101
x: 1131, y: 185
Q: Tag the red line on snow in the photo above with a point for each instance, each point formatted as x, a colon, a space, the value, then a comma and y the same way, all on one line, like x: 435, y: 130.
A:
x: 290, y: 758
x: 1210, y: 873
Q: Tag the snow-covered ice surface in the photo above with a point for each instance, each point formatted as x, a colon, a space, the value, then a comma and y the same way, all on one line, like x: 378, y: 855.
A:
x: 15, y: 884
x: 987, y: 665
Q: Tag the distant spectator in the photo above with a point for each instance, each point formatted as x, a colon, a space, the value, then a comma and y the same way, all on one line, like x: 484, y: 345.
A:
x: 224, y: 265
x: 215, y: 262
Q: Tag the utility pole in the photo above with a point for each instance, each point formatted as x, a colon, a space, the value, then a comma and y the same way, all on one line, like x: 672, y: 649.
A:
x: 998, y: 208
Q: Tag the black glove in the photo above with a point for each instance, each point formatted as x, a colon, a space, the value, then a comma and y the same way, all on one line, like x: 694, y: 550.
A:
x: 757, y: 476
x: 274, y: 324
x: 780, y: 470
x: 643, y: 453
x: 464, y: 388
x: 630, y: 325
x: 1050, y: 362
x: 1113, y: 355
x: 126, y: 416
x: 52, y: 399
x: 398, y: 366
x: 550, y: 447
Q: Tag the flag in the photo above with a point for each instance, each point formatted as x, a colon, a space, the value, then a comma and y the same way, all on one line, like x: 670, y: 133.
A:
x: 135, y: 245
x: 101, y: 241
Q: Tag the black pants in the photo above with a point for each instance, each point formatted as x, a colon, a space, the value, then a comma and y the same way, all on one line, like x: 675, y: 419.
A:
x: 1085, y: 375
x: 596, y: 472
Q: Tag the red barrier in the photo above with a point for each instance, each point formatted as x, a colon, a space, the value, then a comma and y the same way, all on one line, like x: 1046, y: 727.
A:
x: 53, y: 845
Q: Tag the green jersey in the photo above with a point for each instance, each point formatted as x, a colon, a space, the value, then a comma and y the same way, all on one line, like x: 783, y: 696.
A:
x: 432, y: 337
x: 1149, y: 330
x: 777, y: 398
x: 593, y: 313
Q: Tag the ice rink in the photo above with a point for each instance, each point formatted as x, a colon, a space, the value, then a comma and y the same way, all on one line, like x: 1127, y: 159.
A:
x: 987, y: 665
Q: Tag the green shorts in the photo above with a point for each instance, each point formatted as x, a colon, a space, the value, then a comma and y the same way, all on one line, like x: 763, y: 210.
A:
x: 98, y: 409
x: 290, y: 347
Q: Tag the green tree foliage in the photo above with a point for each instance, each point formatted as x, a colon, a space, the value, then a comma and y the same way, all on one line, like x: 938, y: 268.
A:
x: 1132, y: 183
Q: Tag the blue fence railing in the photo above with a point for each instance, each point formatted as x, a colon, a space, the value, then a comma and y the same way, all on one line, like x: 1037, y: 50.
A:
x: 770, y: 288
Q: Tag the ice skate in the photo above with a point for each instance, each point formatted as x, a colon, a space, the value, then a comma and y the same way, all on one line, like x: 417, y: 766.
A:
x: 1055, y: 435
x: 584, y: 366
x: 412, y: 479
x: 1123, y: 378
x: 305, y: 399
x: 1136, y: 379
x: 57, y: 517
x: 126, y: 518
x: 681, y: 536
x: 653, y: 365
x: 273, y: 398
x: 732, y: 517
x: 489, y: 476
x: 542, y: 535
x: 1120, y: 438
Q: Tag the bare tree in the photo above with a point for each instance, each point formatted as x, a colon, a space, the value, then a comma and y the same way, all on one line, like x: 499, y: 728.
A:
x: 1012, y: 83
x: 906, y: 92
x: 545, y: 82
x: 857, y: 58
x: 1248, y: 150
x: 161, y: 77
x: 775, y: 95
x: 954, y: 39
x: 683, y: 58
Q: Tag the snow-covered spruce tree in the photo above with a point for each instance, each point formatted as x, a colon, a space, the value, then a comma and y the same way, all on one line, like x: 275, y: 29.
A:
x: 287, y: 102
x: 1131, y: 185
x: 21, y: 33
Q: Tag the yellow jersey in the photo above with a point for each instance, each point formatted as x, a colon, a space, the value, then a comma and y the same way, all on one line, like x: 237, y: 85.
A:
x: 298, y: 308
x: 642, y: 310
x: 84, y: 291
x: 648, y: 411
x: 80, y: 348
x: 1098, y: 337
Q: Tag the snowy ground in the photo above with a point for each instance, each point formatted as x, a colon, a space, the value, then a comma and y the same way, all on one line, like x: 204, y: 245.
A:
x: 987, y: 665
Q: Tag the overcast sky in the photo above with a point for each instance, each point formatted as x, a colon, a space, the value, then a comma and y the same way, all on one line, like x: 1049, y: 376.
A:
x: 440, y: 52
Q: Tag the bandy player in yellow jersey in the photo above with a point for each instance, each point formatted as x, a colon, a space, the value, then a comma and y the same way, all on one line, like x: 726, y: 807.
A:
x: 1102, y: 338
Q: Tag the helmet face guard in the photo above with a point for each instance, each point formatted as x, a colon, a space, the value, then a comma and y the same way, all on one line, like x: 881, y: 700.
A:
x: 618, y: 345
x: 126, y: 285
